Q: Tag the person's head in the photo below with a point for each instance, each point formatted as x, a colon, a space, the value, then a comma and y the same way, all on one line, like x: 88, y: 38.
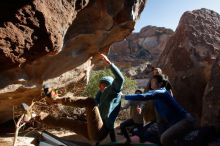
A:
x: 48, y: 90
x: 157, y: 71
x: 138, y: 91
x: 157, y: 82
x: 105, y: 82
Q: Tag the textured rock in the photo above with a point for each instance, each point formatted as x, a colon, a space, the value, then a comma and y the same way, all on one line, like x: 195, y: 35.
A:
x: 53, y: 41
x: 30, y: 30
x: 189, y: 54
x: 211, y: 99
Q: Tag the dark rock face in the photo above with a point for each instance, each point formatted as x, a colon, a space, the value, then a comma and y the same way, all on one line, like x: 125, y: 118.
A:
x: 53, y: 41
x: 211, y: 98
x: 189, y: 55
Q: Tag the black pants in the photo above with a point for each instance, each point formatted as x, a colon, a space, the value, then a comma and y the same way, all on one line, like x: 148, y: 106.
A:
x: 128, y: 123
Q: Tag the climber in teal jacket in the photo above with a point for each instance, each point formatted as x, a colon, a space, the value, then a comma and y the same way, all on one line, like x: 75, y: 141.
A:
x: 175, y: 121
x: 101, y: 112
x: 108, y: 98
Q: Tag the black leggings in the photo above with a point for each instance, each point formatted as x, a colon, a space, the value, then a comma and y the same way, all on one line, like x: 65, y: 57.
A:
x: 128, y: 123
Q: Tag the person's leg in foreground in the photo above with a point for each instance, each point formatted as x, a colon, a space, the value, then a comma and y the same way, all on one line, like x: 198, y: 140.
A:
x: 93, y: 129
x: 123, y: 126
x: 178, y: 130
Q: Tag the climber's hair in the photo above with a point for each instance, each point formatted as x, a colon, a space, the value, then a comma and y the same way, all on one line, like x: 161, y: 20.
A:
x: 161, y: 79
x: 138, y: 91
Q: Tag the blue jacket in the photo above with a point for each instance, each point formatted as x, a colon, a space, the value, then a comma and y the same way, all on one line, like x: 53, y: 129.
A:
x: 166, y: 105
x: 109, y: 102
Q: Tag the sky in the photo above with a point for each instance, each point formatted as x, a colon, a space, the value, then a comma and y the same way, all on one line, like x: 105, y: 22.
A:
x: 167, y: 13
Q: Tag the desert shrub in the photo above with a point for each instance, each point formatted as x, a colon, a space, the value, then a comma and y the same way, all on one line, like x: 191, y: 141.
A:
x: 129, y: 86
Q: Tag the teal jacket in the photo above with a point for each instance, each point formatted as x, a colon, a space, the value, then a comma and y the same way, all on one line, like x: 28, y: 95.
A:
x: 109, y: 102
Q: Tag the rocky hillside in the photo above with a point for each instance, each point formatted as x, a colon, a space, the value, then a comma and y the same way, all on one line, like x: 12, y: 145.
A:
x: 53, y: 41
x: 137, y: 48
x: 139, y: 51
x: 190, y: 61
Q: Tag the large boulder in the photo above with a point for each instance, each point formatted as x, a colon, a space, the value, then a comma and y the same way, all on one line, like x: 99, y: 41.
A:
x: 189, y: 55
x: 54, y: 41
